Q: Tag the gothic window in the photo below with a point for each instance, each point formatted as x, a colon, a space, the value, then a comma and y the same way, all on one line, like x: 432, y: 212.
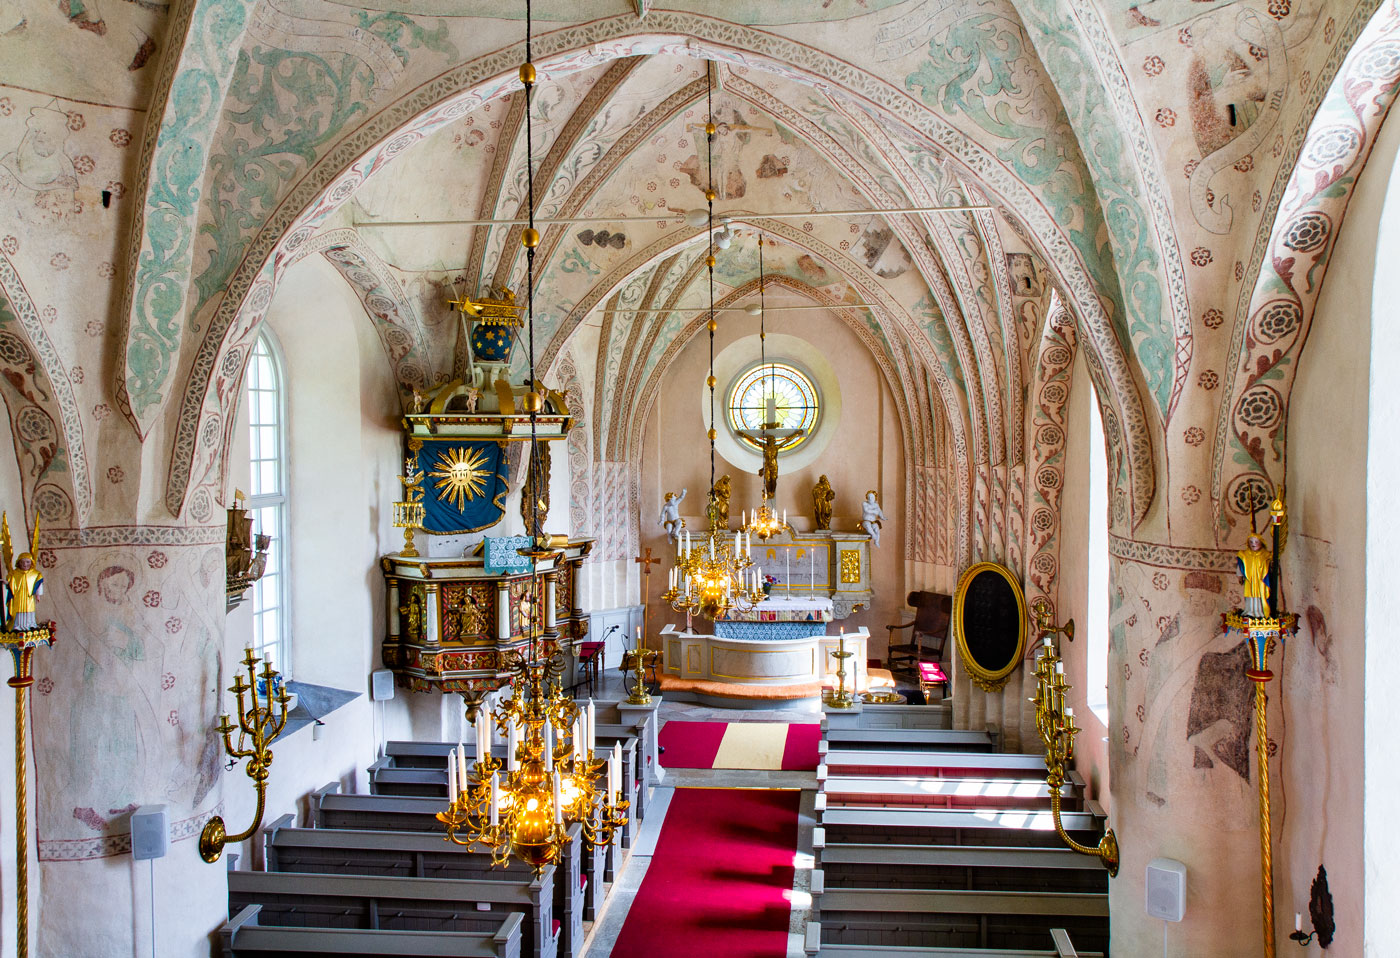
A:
x: 797, y: 402
x: 265, y: 396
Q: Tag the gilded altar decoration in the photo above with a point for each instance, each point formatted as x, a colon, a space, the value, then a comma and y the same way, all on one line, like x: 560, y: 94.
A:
x: 822, y: 498
x: 719, y: 497
x: 21, y: 632
x: 408, y: 511
x: 245, y: 554
x: 258, y: 724
x: 461, y: 473
x: 850, y: 566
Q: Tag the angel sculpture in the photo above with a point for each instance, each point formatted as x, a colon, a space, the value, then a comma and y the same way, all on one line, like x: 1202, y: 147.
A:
x: 671, y: 519
x: 23, y: 584
x: 872, y: 517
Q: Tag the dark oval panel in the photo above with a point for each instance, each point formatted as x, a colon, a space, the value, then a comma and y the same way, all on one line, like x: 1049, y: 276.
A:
x: 991, y: 621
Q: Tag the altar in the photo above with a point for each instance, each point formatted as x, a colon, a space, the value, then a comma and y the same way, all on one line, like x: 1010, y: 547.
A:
x: 777, y: 617
x: 713, y: 666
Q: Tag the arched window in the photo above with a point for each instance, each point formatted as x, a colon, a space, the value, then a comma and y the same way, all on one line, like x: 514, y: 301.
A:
x: 265, y: 397
x: 796, y: 401
x: 1096, y: 672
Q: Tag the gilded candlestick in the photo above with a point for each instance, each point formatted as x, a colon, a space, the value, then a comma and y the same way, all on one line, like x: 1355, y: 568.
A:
x: 262, y: 724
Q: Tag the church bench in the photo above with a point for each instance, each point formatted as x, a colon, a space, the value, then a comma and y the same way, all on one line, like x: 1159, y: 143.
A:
x: 933, y: 764
x: 959, y: 919
x: 890, y: 716
x: 402, y: 904
x: 419, y: 855
x: 904, y: 739
x: 879, y: 791
x: 330, y: 809
x: 642, y: 721
x: 941, y: 826
x: 813, y: 946
x: 243, y: 936
x: 953, y: 867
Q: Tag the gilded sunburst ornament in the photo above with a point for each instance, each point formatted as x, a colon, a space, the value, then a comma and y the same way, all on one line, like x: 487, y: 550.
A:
x: 461, y: 475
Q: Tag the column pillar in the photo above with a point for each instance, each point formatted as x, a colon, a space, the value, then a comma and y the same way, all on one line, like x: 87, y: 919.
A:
x: 393, y: 616
x: 503, y: 610
x: 432, y: 614
x: 124, y: 707
x: 551, y: 586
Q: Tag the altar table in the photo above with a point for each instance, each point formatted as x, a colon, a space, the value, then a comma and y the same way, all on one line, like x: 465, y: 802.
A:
x: 777, y: 617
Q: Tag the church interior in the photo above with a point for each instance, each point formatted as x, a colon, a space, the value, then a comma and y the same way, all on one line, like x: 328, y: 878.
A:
x: 698, y: 477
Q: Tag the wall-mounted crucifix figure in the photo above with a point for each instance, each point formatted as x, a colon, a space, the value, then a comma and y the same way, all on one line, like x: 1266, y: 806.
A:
x: 772, y: 440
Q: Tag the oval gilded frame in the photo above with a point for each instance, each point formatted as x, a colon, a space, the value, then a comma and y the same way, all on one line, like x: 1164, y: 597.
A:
x: 988, y: 679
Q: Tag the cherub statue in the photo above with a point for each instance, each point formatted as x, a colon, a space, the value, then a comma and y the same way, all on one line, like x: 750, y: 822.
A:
x: 417, y: 403
x: 871, y: 516
x: 23, y: 584
x: 822, y: 497
x: 473, y: 397
x: 720, y: 497
x: 1253, y: 564
x: 670, y: 518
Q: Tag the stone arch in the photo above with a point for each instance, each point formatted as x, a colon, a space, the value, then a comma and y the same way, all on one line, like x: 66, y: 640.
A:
x: 194, y: 458
x: 44, y: 419
x: 1268, y: 339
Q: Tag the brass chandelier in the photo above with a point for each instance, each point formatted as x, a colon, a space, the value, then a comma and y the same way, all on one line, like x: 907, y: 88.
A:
x: 550, y: 778
x: 712, y: 577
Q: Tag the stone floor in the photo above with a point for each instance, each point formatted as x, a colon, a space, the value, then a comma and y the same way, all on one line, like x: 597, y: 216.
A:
x: 604, y: 932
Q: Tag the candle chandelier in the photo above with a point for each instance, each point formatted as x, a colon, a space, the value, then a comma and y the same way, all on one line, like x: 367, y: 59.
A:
x: 765, y: 522
x: 550, y: 779
x: 712, y: 577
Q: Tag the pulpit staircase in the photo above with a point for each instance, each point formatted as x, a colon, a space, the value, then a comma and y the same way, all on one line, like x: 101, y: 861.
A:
x: 930, y: 842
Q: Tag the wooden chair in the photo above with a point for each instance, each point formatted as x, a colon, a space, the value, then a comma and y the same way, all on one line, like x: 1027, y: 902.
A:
x: 933, y: 611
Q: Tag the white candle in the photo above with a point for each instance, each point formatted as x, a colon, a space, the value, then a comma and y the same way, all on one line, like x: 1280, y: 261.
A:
x: 617, y: 767
x: 548, y: 747
x: 1297, y: 921
x: 495, y: 799
x: 592, y: 728
x: 611, y: 794
x: 512, y: 741
x: 462, y: 767
x: 452, y: 775
x: 577, y: 734
x: 558, y: 802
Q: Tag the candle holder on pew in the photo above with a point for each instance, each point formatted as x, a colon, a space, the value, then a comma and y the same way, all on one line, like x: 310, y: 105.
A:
x: 258, y: 725
x: 841, y: 697
x: 1055, y: 723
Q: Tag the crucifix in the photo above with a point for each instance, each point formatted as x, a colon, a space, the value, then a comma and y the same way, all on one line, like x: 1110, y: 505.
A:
x: 645, y: 561
x: 772, y: 440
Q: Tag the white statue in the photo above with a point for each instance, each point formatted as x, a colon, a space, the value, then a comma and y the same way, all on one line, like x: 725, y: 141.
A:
x: 670, y: 518
x: 871, y: 516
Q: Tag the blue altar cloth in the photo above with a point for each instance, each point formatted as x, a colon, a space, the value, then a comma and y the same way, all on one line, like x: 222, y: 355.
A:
x: 768, y: 631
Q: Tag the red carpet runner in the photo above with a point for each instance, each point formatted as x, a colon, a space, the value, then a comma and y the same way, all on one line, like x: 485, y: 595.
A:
x: 719, y: 883
x: 775, y: 745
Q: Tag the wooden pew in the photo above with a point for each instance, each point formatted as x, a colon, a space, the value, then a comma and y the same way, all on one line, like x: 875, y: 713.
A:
x: 813, y: 944
x: 406, y: 814
x: 940, y: 826
x: 889, y: 791
x: 418, y: 855
x: 907, y: 740
x: 930, y: 764
x: 955, y: 867
x: 244, y: 936
x: 402, y: 904
x: 890, y: 716
x: 959, y: 919
x: 643, y: 723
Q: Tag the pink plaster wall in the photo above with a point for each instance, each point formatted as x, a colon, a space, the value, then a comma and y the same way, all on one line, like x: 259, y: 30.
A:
x: 865, y: 452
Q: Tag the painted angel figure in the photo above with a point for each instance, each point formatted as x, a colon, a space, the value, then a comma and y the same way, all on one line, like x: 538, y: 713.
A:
x: 670, y: 518
x: 23, y: 584
x: 871, y: 516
